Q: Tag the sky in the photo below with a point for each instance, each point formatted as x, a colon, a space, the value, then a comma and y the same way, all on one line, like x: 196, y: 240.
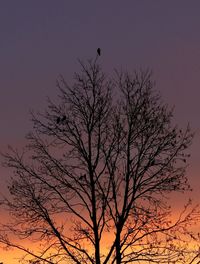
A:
x: 39, y: 40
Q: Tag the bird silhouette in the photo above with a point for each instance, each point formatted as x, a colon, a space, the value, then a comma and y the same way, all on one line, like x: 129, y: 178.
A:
x: 82, y: 177
x: 58, y: 120
x: 63, y: 118
x: 99, y: 51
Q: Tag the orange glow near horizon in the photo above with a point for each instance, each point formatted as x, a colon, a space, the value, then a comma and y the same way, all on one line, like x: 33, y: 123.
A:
x: 12, y: 256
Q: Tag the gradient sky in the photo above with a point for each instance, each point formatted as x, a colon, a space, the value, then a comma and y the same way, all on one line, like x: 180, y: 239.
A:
x: 41, y: 39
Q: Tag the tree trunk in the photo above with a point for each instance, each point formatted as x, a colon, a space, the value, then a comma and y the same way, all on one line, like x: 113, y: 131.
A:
x: 118, y: 249
x: 97, y: 255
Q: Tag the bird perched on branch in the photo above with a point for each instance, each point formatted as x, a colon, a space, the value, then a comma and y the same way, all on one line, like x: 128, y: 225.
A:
x: 82, y: 177
x: 58, y: 120
x: 99, y: 51
x: 63, y: 118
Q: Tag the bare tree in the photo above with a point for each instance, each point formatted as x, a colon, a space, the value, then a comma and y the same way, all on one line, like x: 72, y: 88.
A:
x: 93, y: 181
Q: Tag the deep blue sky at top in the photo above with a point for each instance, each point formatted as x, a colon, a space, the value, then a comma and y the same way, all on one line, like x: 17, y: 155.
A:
x: 41, y: 39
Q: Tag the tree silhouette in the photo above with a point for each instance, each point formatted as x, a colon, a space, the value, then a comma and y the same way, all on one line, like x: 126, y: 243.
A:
x: 93, y: 181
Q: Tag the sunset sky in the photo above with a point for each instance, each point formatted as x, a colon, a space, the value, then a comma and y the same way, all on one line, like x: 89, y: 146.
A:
x: 42, y: 39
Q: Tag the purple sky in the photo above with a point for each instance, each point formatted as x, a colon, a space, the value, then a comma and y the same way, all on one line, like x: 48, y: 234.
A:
x: 42, y: 39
